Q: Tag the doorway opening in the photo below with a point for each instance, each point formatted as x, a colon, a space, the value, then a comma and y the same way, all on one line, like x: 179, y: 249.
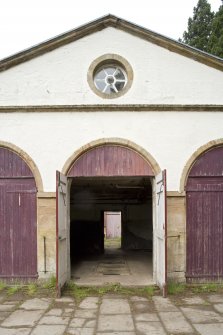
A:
x: 112, y: 230
x: 100, y: 209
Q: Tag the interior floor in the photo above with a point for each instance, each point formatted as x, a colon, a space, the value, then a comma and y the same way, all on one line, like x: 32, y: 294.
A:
x: 126, y: 267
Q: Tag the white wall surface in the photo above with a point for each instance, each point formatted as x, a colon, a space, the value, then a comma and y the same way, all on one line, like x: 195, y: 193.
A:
x: 160, y: 76
x: 51, y: 138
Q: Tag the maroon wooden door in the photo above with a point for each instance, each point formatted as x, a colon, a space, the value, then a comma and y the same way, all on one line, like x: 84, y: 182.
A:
x: 204, y: 196
x: 110, y: 160
x: 18, y: 237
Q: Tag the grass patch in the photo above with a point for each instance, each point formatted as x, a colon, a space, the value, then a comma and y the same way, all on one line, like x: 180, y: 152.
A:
x: 79, y: 292
x: 50, y: 284
x: 206, y: 288
x: 31, y: 289
x: 14, y: 289
x: 176, y: 288
x: 2, y: 286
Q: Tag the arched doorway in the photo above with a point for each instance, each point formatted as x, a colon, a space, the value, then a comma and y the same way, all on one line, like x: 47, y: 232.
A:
x: 18, y: 237
x: 204, y: 202
x: 111, y: 178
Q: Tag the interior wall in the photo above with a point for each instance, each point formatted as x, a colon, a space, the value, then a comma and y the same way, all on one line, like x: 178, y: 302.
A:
x: 88, y: 219
x: 138, y: 227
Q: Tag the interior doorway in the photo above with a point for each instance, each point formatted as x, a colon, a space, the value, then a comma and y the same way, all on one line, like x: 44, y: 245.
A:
x: 112, y: 230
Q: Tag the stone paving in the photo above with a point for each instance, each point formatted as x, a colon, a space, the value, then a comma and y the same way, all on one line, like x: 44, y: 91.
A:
x: 112, y: 315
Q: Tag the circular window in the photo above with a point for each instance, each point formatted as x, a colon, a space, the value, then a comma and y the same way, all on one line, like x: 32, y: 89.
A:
x: 110, y: 76
x: 110, y: 79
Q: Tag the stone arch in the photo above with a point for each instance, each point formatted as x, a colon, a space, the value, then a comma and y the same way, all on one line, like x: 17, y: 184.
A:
x: 191, y: 161
x: 28, y: 160
x: 111, y: 141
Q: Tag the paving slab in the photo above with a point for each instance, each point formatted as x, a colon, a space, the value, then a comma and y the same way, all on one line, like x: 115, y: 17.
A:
x: 89, y: 303
x: 86, y: 314
x: 54, y: 320
x: 164, y: 305
x: 115, y: 306
x: 215, y: 298
x: 17, y: 331
x: 90, y: 324
x: 22, y: 318
x: 151, y: 328
x: 146, y: 317
x: 35, y: 304
x: 115, y: 323
x: 135, y: 298
x: 4, y: 315
x: 55, y: 311
x: 68, y: 311
x: 117, y: 333
x: 5, y: 308
x: 142, y: 306
x: 85, y: 323
x: 81, y: 331
x: 194, y: 301
x: 210, y: 329
x: 219, y: 307
x: 64, y: 299
x: 201, y: 316
x: 48, y: 330
x: 175, y: 322
x: 77, y: 322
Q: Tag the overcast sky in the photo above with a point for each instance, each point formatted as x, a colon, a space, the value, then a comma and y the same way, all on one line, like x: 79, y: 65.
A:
x: 24, y: 23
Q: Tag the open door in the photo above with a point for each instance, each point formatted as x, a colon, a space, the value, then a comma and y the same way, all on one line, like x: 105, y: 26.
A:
x: 160, y: 232
x: 62, y: 265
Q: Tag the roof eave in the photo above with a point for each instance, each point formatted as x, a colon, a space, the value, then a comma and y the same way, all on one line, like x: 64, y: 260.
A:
x: 111, y: 21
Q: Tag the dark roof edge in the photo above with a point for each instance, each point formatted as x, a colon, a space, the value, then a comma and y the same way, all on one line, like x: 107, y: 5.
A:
x: 112, y: 21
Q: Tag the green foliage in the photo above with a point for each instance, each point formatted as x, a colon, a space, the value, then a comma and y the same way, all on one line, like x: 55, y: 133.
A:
x: 2, y: 286
x: 199, y: 26
x: 206, y: 288
x: 13, y: 289
x: 205, y: 29
x: 31, y: 289
x: 215, y: 45
x: 176, y: 288
x: 80, y: 292
x: 50, y: 284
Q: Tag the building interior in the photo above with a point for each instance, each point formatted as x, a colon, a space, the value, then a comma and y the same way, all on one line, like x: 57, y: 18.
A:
x: 96, y: 259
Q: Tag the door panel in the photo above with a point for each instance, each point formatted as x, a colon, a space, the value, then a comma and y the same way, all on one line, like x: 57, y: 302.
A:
x: 204, y: 235
x: 18, y: 236
x: 160, y: 243
x: 62, y: 231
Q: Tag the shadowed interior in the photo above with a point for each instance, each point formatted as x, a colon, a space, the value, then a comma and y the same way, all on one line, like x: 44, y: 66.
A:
x: 92, y: 196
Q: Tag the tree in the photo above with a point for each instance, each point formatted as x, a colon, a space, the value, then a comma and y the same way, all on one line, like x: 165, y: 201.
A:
x: 215, y: 44
x: 199, y: 26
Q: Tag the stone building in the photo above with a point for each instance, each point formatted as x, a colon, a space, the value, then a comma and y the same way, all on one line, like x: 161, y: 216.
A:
x: 133, y: 122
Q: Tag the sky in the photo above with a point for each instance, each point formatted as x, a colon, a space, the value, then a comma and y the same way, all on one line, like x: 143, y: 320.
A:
x: 25, y: 23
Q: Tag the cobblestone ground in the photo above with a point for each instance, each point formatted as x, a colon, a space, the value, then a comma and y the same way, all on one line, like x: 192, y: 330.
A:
x: 112, y: 315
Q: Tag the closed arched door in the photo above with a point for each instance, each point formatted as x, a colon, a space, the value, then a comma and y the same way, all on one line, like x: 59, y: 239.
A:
x: 18, y: 240
x: 204, y: 196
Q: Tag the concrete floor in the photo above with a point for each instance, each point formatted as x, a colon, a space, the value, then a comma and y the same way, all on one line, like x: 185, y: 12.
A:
x: 128, y: 268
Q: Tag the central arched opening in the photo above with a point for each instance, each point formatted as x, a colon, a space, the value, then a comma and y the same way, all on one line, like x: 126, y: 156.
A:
x: 111, y: 217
